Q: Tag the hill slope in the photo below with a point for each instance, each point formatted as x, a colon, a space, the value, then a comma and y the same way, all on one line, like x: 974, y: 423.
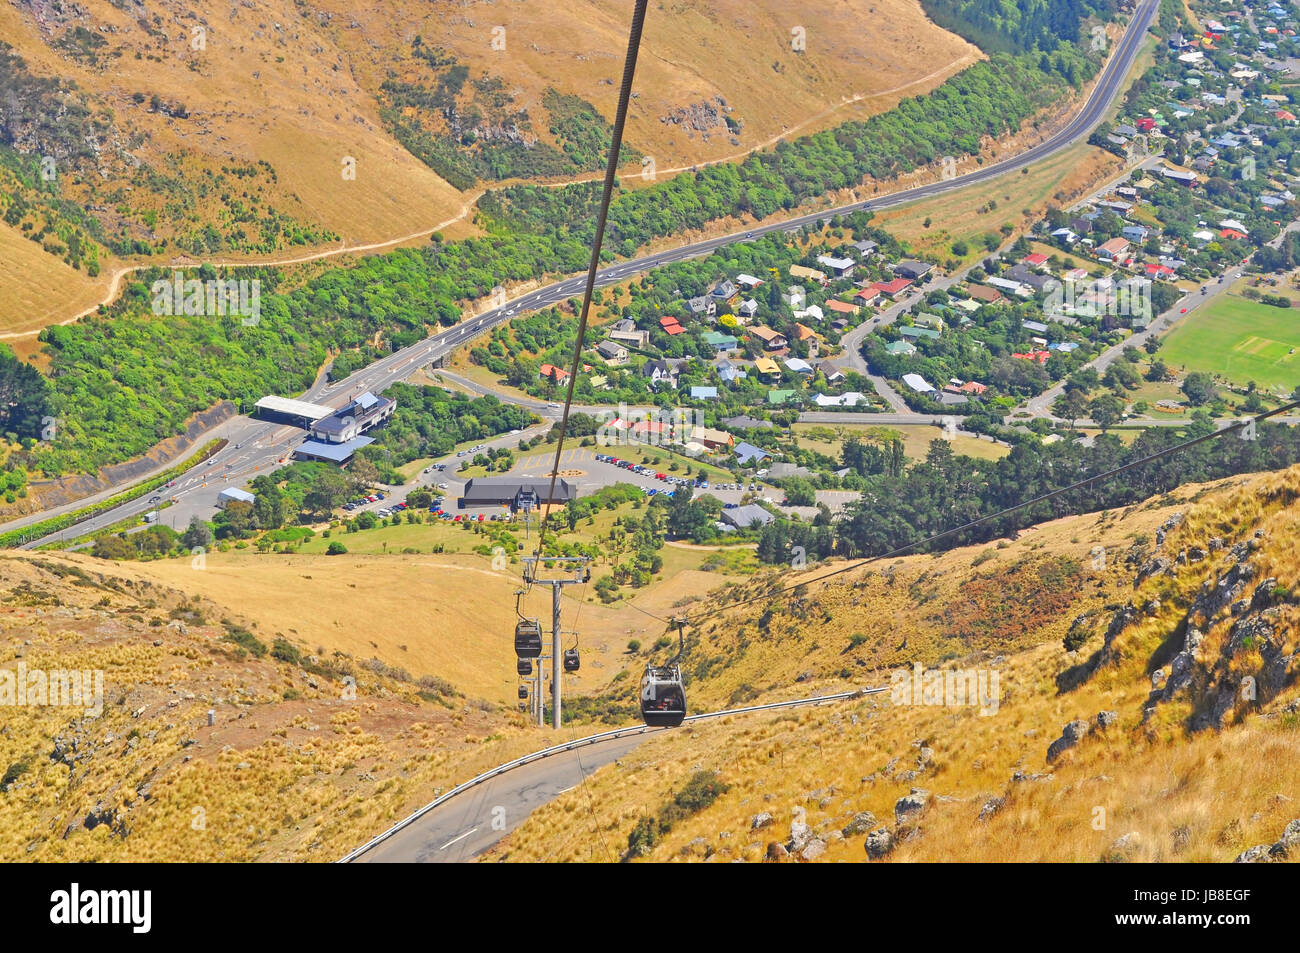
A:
x: 1168, y: 732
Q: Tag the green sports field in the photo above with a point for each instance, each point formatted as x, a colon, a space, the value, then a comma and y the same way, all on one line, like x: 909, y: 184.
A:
x: 1241, y: 339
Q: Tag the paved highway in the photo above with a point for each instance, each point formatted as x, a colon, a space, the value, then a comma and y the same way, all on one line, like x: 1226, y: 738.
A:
x: 256, y: 446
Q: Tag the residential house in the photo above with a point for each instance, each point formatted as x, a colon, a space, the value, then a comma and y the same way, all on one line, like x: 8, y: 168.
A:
x: 1035, y: 260
x: 745, y: 422
x: 748, y: 308
x: 984, y: 293
x: 794, y: 296
x: 711, y: 438
x: 810, y: 274
x: 747, y: 454
x: 1065, y: 235
x: 722, y: 343
x: 868, y: 296
x: 849, y: 399
x: 903, y: 348
x: 892, y: 289
x: 915, y: 270
x: 1014, y: 287
x: 866, y: 249
x: 799, y: 366
x: 612, y: 352
x: 670, y: 326
x: 659, y: 372
x: 704, y: 392
x: 839, y: 267
x: 767, y: 369
x: 832, y: 373
x: 1115, y: 250
x: 725, y: 291
x: 702, y: 306
x: 1188, y: 179
x: 1135, y: 233
x: 557, y: 374
x: 748, y: 282
x: 772, y: 340
x: 913, y: 333
x: 729, y: 372
x: 917, y: 383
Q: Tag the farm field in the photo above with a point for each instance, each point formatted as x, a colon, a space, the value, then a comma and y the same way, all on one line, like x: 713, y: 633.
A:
x: 1242, y: 340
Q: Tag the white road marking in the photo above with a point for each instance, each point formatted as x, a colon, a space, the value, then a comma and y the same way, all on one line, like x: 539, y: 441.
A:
x: 455, y: 840
x: 566, y: 790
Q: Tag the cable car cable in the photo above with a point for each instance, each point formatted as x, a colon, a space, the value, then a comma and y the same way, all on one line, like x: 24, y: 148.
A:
x: 607, y: 193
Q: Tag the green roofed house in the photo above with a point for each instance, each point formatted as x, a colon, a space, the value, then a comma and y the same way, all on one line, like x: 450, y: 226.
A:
x: 916, y: 333
x: 780, y: 396
x: 720, y: 342
x: 905, y: 348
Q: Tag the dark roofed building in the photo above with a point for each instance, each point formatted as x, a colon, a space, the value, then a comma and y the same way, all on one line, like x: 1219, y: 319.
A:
x: 517, y: 494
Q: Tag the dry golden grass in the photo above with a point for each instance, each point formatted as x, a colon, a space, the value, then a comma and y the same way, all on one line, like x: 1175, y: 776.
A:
x: 292, y: 769
x: 1186, y: 797
x: 36, y: 288
x: 916, y: 440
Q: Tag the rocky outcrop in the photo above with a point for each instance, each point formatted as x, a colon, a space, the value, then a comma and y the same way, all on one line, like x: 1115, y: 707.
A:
x: 1071, y: 734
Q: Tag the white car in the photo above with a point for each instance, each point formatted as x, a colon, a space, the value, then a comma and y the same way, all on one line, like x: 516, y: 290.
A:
x: 442, y: 486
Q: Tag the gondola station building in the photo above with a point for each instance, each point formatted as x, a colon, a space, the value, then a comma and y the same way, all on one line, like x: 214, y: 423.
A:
x: 516, y: 494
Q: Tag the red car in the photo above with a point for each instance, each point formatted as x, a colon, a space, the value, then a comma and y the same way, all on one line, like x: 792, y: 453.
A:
x: 480, y: 517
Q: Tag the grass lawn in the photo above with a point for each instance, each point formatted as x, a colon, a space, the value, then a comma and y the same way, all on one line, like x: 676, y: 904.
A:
x: 1243, y: 340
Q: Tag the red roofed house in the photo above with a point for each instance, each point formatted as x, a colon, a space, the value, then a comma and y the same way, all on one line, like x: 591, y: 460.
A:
x: 1039, y: 356
x: 671, y: 326
x: 1233, y: 234
x: 557, y: 374
x: 973, y: 387
x: 1036, y: 260
x: 1159, y: 271
x: 1145, y: 124
x: 1285, y: 115
x: 892, y: 289
x: 843, y: 307
x: 867, y: 296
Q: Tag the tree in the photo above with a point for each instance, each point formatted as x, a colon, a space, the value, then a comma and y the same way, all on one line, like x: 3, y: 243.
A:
x: 799, y: 492
x: 197, y: 535
x: 328, y: 490
x: 1105, y: 411
x: 1071, y: 405
x: 335, y: 548
x: 1199, y: 388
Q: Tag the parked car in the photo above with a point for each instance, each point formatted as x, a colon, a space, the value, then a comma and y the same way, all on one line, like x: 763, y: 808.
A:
x: 442, y: 486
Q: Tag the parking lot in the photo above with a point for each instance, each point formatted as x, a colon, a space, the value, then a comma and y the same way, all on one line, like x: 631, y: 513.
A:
x: 587, y: 468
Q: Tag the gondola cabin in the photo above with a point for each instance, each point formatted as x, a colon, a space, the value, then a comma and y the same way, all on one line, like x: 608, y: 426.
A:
x: 663, y: 696
x: 528, y: 638
x: 571, y: 661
